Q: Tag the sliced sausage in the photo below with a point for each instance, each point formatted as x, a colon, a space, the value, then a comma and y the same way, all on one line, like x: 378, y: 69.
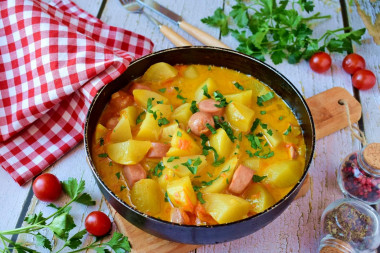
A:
x: 208, y: 106
x: 292, y: 151
x: 133, y: 173
x: 121, y: 100
x: 198, y: 123
x: 112, y: 122
x: 158, y: 150
x: 241, y: 179
x: 138, y: 86
x: 176, y: 216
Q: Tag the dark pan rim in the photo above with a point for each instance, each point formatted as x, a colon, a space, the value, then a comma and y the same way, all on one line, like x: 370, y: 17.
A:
x: 131, y: 208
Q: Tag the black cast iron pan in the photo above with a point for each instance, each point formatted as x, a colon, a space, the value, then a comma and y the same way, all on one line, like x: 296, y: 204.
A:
x: 206, y: 56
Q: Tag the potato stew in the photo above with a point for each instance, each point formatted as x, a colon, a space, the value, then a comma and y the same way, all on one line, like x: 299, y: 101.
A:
x: 198, y: 145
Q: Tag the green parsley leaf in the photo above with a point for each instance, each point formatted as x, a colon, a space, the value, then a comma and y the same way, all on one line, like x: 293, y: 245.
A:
x: 32, y: 219
x: 42, y: 241
x: 219, y: 19
x: 110, y: 164
x: 200, y: 198
x: 192, y: 164
x: 193, y: 107
x: 162, y: 90
x: 255, y: 125
x: 139, y: 118
x: 61, y: 225
x: 85, y: 199
x: 264, y: 98
x: 263, y: 112
x: 205, y: 91
x: 118, y: 175
x: 179, y: 134
x: 166, y: 199
x: 119, y: 243
x: 103, y: 155
x: 237, y: 85
x: 157, y: 170
x: 281, y: 118
x: 179, y: 96
x: 221, y: 99
x: 172, y: 158
x: 257, y: 178
x: 72, y: 187
x: 101, y: 141
x: 75, y: 241
x: 213, y: 131
x: 163, y: 121
x: 288, y: 130
x: 207, y: 183
x: 122, y: 187
x: 226, y: 127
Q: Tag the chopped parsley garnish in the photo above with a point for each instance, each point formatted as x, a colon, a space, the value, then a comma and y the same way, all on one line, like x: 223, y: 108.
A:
x: 226, y: 127
x: 172, y: 158
x: 192, y: 164
x: 139, y: 118
x: 229, y: 167
x: 209, y: 68
x: 206, y: 149
x: 200, y: 198
x: 162, y: 90
x: 270, y: 132
x: 157, y: 171
x: 179, y: 134
x: 263, y: 112
x: 264, y: 98
x: 237, y: 85
x: 255, y: 125
x: 205, y: 91
x: 288, y: 130
x: 257, y: 178
x: 221, y: 99
x: 255, y: 141
x: 179, y: 96
x: 122, y: 187
x: 209, y: 182
x: 213, y: 131
x: 163, y: 121
x: 101, y: 141
x: 240, y: 136
x: 103, y: 155
x: 110, y: 164
x: 281, y: 118
x: 166, y: 197
x: 193, y: 107
x: 118, y: 175
x: 209, y: 174
x: 160, y: 102
x: 217, y: 162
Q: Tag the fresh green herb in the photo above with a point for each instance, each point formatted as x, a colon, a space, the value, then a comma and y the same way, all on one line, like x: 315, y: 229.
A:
x: 257, y: 178
x: 163, y: 121
x: 166, y: 197
x: 270, y: 132
x: 139, y: 118
x: 200, y: 198
x: 237, y: 85
x: 175, y: 166
x: 179, y: 96
x: 209, y: 68
x: 172, y: 158
x: 188, y: 130
x: 157, y: 170
x: 110, y: 164
x: 217, y: 162
x: 264, y: 126
x: 281, y: 118
x: 238, y: 146
x: 179, y: 134
x: 209, y: 174
x: 270, y: 27
x: 193, y: 107
x: 264, y: 98
x: 210, y: 182
x: 117, y: 175
x: 255, y: 125
x: 192, y: 164
x: 213, y: 131
x: 240, y: 136
x: 122, y: 187
x: 162, y: 90
x: 229, y: 167
x: 101, y: 141
x: 255, y: 141
x: 226, y: 127
x: 206, y: 149
x: 149, y: 105
x: 227, y: 180
x: 196, y: 188
x: 171, y: 108
x: 197, y: 176
x: 263, y: 112
x: 103, y: 155
x: 221, y: 99
x: 264, y: 156
x: 288, y: 130
x: 205, y: 91
x: 160, y: 102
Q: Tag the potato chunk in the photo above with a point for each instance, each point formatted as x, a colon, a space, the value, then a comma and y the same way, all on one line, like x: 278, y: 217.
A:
x: 191, y: 72
x: 168, y: 132
x: 225, y: 208
x: 181, y: 194
x: 122, y: 131
x: 150, y: 128
x: 128, y: 152
x: 253, y: 163
x: 284, y: 173
x: 167, y: 175
x: 176, y: 163
x: 159, y: 72
x: 146, y: 195
x: 224, y: 177
x: 259, y: 197
x: 274, y: 138
x: 182, y: 113
x: 183, y: 145
x: 141, y: 97
x: 211, y: 87
x: 240, y: 116
x: 131, y: 114
x: 221, y: 143
x: 100, y: 131
x: 244, y: 97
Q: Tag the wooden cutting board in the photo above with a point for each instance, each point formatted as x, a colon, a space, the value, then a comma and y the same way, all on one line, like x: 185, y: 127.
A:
x: 328, y: 115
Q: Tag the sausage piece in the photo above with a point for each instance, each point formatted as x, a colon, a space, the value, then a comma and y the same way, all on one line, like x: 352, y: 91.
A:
x: 198, y: 123
x: 112, y: 122
x: 158, y: 150
x: 120, y: 100
x: 241, y: 179
x: 208, y: 106
x: 133, y: 173
x: 137, y: 86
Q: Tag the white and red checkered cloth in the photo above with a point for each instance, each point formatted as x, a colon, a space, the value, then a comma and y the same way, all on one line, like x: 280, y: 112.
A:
x: 53, y: 59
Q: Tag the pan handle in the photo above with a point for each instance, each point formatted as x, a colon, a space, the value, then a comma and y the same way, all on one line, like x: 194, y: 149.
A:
x: 174, y: 37
x: 200, y: 35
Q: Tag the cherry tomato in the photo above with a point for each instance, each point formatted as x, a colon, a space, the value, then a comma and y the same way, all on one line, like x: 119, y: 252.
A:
x: 320, y: 62
x: 97, y: 223
x: 363, y: 79
x: 352, y: 63
x: 47, y: 187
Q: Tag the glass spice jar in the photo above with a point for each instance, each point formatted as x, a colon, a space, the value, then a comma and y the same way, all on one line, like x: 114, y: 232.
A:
x: 359, y: 174
x: 349, y: 226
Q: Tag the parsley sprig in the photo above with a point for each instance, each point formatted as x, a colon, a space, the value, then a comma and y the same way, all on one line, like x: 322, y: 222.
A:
x: 271, y: 27
x: 61, y: 223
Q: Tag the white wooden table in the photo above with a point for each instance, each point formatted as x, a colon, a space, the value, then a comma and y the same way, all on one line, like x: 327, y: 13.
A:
x: 298, y: 228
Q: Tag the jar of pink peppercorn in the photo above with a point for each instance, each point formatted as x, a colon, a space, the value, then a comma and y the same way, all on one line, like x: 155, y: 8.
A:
x: 359, y: 174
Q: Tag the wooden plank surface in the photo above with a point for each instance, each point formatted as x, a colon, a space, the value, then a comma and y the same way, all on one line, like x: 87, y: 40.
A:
x: 298, y: 228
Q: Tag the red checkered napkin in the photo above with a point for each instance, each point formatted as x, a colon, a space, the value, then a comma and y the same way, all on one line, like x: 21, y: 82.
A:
x: 53, y: 60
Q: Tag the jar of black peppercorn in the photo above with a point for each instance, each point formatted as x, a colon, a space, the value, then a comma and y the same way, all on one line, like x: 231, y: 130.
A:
x: 359, y: 174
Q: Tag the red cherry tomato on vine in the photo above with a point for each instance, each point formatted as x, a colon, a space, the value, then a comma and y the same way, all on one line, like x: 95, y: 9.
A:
x: 352, y: 63
x: 363, y: 79
x: 97, y: 223
x: 47, y: 187
x: 320, y: 62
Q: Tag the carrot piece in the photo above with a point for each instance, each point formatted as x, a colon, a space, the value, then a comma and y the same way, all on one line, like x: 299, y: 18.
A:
x: 203, y: 215
x: 183, y: 144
